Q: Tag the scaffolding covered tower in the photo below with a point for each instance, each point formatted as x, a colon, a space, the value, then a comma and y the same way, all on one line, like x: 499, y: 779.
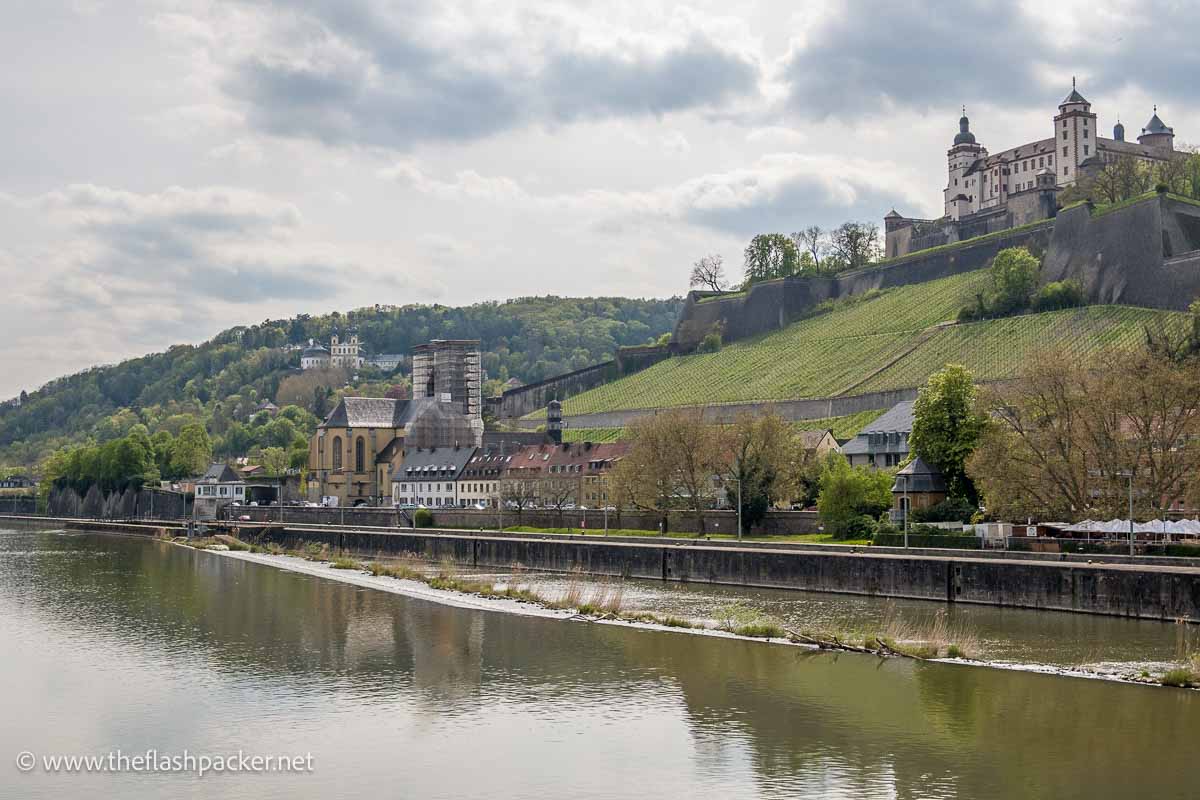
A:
x: 449, y: 370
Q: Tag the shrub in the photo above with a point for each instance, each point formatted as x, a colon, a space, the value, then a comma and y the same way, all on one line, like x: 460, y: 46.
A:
x: 1014, y: 274
x: 422, y: 518
x: 952, y: 509
x: 860, y: 527
x: 1058, y: 295
x: 711, y: 343
x: 848, y: 494
x: 1181, y: 677
x: 884, y: 525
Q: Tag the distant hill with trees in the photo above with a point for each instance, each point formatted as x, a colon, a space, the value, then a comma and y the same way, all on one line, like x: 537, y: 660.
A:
x: 221, y: 382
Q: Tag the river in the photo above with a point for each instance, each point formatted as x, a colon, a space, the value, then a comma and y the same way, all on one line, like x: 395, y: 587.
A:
x: 125, y: 643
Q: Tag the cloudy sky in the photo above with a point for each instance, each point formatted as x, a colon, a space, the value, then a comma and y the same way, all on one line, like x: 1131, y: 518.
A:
x: 169, y: 169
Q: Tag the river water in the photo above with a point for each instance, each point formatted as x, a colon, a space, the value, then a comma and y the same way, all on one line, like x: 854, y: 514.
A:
x: 124, y: 643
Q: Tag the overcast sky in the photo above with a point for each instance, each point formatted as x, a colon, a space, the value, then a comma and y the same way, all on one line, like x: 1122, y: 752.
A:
x: 169, y: 169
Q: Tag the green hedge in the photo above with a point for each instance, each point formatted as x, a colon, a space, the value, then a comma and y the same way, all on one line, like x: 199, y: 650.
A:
x: 956, y: 541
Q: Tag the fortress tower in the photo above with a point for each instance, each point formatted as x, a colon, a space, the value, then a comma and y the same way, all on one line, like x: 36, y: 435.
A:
x: 962, y: 189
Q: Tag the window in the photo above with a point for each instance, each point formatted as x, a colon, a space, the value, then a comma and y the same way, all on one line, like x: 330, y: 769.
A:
x: 1066, y: 170
x: 1085, y: 133
x: 1085, y: 149
x: 1064, y: 134
x: 360, y: 448
x: 1041, y: 162
x: 1050, y: 160
x: 337, y: 453
x: 1064, y: 152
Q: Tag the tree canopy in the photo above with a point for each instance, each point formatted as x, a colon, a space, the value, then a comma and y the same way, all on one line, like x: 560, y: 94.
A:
x: 220, y: 382
x: 947, y: 427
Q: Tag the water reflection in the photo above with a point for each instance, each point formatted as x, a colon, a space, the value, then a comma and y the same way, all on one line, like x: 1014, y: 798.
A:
x: 127, y: 643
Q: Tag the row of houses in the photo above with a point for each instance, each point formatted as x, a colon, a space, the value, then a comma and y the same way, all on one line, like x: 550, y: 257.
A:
x: 548, y: 475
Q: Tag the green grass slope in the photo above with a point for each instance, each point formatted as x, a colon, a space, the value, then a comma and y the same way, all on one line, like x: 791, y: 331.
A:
x: 865, y: 346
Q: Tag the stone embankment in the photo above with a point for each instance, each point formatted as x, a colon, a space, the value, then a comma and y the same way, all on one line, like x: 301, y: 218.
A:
x: 1146, y: 588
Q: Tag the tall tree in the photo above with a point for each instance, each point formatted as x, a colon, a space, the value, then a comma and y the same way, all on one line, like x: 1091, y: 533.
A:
x: 191, y: 452
x: 766, y: 458
x: 1067, y: 437
x: 947, y: 427
x: 770, y: 256
x: 672, y: 460
x: 854, y: 244
x: 811, y: 240
x: 709, y: 272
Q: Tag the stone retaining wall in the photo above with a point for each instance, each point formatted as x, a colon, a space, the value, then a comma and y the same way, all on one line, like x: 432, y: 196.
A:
x: 1154, y: 592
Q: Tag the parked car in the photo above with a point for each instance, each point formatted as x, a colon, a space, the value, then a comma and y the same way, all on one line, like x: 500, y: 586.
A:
x: 479, y: 507
x: 244, y: 518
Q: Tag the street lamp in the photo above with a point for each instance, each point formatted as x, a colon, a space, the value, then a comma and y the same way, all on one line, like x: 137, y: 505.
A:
x: 739, y: 506
x: 1129, y: 475
x: 904, y: 508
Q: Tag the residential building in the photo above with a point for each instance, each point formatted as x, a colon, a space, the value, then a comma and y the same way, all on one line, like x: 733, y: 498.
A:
x: 479, y: 483
x: 884, y: 442
x: 267, y: 406
x: 991, y: 192
x: 562, y: 475
x: 18, y: 482
x: 384, y: 361
x: 818, y: 443
x: 219, y: 487
x: 430, y: 476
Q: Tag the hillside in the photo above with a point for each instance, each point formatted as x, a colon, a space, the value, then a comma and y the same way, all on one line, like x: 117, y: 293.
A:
x: 220, y: 381
x: 889, y: 340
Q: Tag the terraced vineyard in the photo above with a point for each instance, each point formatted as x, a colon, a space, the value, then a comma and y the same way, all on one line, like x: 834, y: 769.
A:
x: 596, y: 435
x: 865, y: 346
x: 846, y: 427
x: 816, y: 357
x: 995, y: 349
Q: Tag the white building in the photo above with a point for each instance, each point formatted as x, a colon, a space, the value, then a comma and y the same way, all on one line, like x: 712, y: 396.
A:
x: 979, y: 181
x: 430, y: 476
x: 315, y: 356
x: 219, y: 487
x: 479, y: 482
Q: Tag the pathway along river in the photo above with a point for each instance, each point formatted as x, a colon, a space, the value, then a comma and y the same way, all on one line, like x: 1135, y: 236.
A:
x: 120, y: 642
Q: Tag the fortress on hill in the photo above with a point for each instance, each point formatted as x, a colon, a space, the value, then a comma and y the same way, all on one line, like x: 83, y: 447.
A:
x: 986, y: 193
x: 1144, y: 252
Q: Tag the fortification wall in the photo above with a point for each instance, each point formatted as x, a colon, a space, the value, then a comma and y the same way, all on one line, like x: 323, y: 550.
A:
x: 793, y: 410
x: 775, y: 304
x: 1144, y: 254
x: 533, y: 396
x: 524, y: 399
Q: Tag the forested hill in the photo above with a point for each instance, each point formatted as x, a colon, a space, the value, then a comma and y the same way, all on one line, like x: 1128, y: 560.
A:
x: 527, y: 338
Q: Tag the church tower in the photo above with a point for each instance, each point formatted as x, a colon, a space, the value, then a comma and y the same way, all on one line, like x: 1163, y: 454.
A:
x: 962, y: 197
x: 1074, y: 136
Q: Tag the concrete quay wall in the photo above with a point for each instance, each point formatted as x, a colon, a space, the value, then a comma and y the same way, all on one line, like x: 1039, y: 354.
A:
x: 1159, y: 592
